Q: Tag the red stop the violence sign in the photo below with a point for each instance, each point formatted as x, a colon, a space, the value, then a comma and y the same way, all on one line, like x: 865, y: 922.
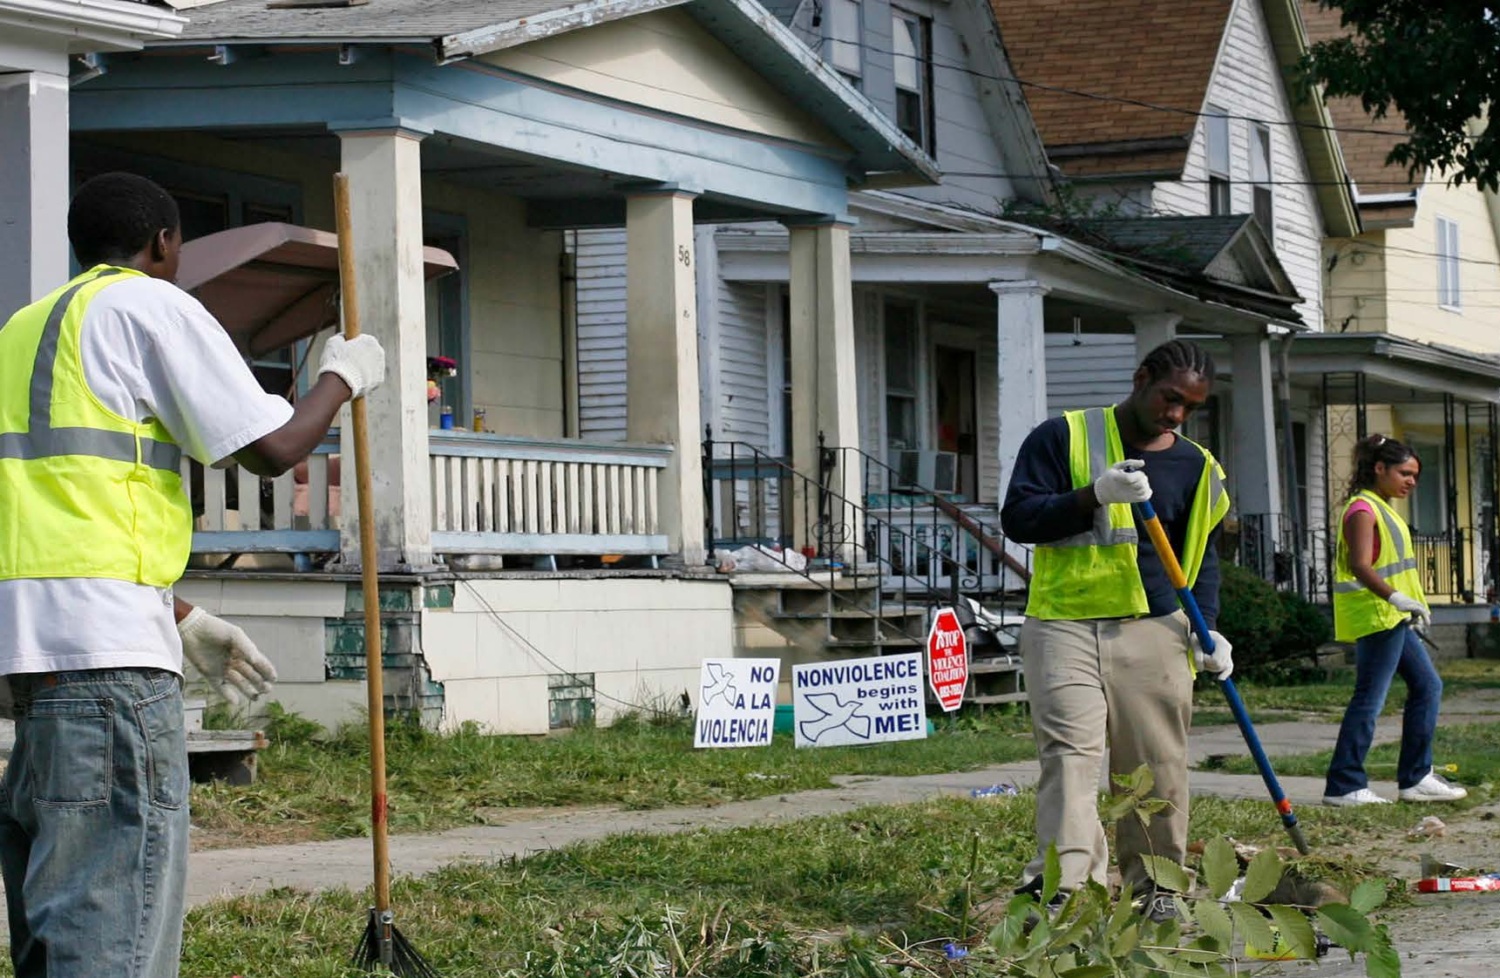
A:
x: 947, y: 660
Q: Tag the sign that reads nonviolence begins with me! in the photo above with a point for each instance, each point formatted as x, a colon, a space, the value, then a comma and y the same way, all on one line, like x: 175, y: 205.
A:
x: 947, y: 659
x: 736, y: 702
x: 859, y: 701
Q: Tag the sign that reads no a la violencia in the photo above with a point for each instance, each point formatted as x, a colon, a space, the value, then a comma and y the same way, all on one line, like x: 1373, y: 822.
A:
x: 736, y: 702
x: 947, y: 659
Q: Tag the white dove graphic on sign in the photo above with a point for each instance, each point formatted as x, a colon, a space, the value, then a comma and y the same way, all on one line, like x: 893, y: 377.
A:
x: 835, y: 713
x: 721, y: 684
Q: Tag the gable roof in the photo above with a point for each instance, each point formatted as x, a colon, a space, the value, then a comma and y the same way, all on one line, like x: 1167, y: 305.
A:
x: 1231, y: 250
x: 458, y: 29
x: 1384, y: 194
x: 1138, y: 51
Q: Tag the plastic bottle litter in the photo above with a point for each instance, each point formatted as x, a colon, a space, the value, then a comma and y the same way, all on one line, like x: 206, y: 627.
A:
x: 954, y: 952
x: 1431, y: 827
x: 995, y: 791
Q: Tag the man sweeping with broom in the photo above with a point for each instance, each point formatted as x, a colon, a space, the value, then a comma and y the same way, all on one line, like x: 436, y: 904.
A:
x: 104, y: 384
x: 1108, y: 656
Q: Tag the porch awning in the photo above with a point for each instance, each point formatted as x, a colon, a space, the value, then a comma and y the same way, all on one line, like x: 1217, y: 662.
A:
x: 273, y: 284
x: 1395, y: 370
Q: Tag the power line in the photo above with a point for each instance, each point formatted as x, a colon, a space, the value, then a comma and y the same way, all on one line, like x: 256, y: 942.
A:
x: 1115, y: 99
x: 573, y: 676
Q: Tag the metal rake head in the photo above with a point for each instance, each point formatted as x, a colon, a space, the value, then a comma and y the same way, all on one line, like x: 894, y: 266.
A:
x: 382, y: 947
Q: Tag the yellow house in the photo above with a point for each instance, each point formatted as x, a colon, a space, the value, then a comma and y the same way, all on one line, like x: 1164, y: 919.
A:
x: 1412, y: 345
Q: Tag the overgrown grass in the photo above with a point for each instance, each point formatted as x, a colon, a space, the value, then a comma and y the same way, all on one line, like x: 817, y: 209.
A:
x: 763, y: 901
x: 311, y: 788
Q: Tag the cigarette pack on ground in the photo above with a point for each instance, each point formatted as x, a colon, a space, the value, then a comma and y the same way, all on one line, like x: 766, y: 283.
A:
x: 1489, y: 883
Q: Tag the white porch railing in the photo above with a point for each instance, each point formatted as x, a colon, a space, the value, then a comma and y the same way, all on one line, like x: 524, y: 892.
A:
x: 298, y: 513
x: 498, y: 494
x: 912, y: 538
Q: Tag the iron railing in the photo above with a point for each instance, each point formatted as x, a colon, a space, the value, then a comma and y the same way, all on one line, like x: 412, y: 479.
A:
x: 753, y: 498
x: 1301, y: 561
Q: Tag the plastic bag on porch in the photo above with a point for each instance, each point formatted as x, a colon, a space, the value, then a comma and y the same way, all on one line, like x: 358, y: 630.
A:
x: 757, y: 558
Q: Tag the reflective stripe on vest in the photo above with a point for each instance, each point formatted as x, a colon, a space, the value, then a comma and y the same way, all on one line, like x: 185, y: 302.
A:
x: 1357, y: 611
x: 1094, y: 574
x: 84, y: 492
x: 41, y: 440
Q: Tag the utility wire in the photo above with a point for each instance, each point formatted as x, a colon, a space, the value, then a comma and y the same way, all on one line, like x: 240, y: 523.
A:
x: 571, y: 675
x: 1115, y: 99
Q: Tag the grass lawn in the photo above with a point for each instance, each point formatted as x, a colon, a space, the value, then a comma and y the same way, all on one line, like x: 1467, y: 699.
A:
x: 313, y: 788
x: 734, y: 903
x: 1327, y: 699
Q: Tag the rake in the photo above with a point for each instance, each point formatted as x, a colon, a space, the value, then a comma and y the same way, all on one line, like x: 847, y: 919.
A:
x: 1231, y: 693
x: 381, y: 945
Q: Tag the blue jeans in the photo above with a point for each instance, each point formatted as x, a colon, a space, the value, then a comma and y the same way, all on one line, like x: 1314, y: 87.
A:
x: 1378, y: 658
x: 94, y: 824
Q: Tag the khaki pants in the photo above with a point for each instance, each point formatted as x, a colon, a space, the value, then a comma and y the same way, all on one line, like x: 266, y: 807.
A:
x: 1126, y: 682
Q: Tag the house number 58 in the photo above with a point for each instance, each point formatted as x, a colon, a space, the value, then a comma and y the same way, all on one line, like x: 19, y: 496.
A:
x: 684, y: 256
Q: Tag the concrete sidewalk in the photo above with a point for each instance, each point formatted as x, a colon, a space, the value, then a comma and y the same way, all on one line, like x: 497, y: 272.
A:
x: 346, y: 863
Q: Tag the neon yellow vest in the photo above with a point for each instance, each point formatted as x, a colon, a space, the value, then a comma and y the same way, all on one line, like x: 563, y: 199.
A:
x: 1094, y: 574
x: 1357, y: 612
x: 84, y: 492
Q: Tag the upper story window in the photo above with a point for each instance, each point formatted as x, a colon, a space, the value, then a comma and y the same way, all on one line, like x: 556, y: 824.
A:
x: 1447, y: 256
x: 845, y: 49
x: 1260, y: 176
x: 1216, y: 125
x: 912, y: 45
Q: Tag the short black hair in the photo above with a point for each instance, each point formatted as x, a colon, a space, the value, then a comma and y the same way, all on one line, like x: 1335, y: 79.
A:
x: 114, y: 215
x: 1175, y: 355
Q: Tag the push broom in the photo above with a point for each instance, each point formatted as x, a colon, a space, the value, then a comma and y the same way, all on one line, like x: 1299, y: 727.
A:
x: 381, y: 945
x: 1231, y: 693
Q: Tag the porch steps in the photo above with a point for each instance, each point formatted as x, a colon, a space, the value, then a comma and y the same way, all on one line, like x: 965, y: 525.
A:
x: 850, y: 619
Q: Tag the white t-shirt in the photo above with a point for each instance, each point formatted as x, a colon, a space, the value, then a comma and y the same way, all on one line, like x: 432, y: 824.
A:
x: 150, y: 350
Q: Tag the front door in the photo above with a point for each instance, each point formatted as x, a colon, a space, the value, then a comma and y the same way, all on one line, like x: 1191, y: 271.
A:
x: 956, y: 415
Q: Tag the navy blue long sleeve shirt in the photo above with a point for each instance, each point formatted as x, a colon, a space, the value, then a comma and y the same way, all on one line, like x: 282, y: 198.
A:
x: 1041, y: 506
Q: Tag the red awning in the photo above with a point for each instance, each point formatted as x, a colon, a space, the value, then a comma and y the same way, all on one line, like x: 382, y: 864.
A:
x: 273, y: 284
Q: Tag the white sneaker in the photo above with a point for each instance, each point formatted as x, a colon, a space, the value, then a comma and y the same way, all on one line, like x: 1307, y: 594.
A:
x: 1360, y: 796
x: 1433, y: 788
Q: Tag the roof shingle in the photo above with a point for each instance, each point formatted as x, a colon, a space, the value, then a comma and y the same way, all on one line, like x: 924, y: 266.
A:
x: 1141, y: 51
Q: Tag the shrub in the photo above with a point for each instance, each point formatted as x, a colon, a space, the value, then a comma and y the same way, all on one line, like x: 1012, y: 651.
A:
x: 1274, y: 632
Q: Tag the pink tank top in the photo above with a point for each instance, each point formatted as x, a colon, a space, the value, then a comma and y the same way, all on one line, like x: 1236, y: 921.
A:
x: 1361, y: 505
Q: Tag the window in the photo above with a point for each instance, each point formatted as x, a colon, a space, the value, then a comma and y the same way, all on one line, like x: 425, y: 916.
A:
x: 1428, y: 501
x: 1216, y: 125
x: 912, y: 44
x: 901, y: 431
x: 844, y: 50
x: 1447, y: 256
x: 1260, y: 176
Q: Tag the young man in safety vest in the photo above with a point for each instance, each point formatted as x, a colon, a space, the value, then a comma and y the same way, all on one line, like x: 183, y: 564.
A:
x: 1108, y: 655
x: 104, y: 385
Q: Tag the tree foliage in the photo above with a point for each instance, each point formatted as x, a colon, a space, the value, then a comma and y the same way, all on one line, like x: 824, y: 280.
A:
x: 1435, y: 61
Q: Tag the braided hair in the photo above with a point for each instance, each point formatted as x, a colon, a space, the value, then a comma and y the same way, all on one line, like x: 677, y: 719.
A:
x: 1372, y: 450
x: 1175, y: 355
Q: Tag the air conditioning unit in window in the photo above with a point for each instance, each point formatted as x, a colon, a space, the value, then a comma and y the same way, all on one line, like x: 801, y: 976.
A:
x: 934, y: 471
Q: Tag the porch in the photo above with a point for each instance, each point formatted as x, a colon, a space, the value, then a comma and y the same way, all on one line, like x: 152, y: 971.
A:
x: 498, y: 502
x: 1443, y: 402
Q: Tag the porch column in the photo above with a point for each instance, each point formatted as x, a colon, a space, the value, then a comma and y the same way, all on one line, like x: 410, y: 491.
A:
x: 34, y: 191
x: 384, y: 166
x: 661, y: 370
x: 824, y: 391
x: 1021, y: 368
x: 1152, y: 329
x: 1254, y: 479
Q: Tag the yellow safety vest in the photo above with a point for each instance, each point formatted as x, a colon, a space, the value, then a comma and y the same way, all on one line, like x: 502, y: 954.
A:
x: 1094, y: 574
x: 84, y: 492
x: 1357, y: 612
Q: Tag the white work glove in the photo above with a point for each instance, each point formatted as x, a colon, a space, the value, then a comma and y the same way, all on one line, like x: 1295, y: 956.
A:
x: 360, y: 362
x: 1123, y: 483
x: 225, y: 656
x: 1408, y: 605
x: 1220, y: 665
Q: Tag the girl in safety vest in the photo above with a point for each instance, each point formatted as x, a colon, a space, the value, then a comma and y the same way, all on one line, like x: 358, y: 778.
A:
x: 1377, y: 602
